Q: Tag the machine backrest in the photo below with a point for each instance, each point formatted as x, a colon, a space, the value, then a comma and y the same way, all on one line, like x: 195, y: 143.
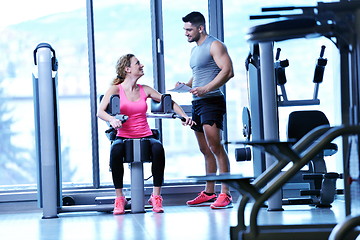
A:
x: 164, y: 106
x: 114, y: 105
x: 301, y: 122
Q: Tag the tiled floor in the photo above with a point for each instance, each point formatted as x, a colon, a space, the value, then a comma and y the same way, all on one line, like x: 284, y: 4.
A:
x: 178, y: 222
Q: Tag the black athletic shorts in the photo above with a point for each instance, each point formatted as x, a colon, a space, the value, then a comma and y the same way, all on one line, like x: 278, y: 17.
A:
x: 208, y: 111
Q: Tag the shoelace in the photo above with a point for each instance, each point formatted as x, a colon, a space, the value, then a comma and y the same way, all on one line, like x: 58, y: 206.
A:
x: 157, y: 200
x: 224, y: 198
x: 119, y: 204
x: 200, y: 196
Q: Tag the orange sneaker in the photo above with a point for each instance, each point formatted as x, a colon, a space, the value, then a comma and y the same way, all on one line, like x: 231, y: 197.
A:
x: 120, y: 203
x: 202, y: 200
x: 223, y: 201
x: 156, y: 202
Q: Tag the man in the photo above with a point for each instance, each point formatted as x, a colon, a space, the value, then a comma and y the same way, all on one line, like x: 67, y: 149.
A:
x: 212, y: 68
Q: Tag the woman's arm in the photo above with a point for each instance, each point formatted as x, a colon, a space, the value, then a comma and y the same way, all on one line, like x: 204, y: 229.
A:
x: 101, y: 112
x: 155, y: 95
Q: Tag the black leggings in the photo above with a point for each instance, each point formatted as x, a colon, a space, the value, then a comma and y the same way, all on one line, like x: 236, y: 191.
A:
x: 117, y: 153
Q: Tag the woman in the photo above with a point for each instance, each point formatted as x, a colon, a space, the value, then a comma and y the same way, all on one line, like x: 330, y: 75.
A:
x: 133, y: 104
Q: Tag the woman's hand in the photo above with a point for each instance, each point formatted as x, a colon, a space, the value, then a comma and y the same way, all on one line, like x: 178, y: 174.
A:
x: 115, y: 123
x: 188, y: 122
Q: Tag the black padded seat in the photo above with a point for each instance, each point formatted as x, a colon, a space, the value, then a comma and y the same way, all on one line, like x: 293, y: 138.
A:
x: 302, y: 122
x: 287, y: 29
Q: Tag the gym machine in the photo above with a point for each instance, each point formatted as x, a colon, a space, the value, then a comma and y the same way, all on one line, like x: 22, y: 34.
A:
x: 264, y: 103
x: 272, y: 179
x: 340, y: 22
x: 300, y: 122
x: 47, y: 131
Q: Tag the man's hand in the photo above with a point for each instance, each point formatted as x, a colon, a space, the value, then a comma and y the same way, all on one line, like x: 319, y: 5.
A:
x: 199, y: 91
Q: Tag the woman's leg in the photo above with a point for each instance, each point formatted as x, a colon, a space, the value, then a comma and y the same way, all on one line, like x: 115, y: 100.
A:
x: 117, y: 166
x: 117, y: 171
x: 157, y: 168
x: 158, y: 163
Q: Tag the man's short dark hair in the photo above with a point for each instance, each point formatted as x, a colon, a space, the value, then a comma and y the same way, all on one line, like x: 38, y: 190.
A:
x: 195, y: 18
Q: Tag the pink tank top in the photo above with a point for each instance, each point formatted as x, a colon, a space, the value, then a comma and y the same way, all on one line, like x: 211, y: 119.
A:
x: 136, y: 126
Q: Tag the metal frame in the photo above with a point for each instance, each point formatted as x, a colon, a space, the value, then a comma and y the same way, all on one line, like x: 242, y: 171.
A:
x: 260, y: 190
x: 47, y: 131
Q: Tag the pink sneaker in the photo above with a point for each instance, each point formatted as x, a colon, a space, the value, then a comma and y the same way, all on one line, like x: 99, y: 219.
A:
x: 202, y: 200
x: 120, y: 203
x: 156, y: 202
x: 223, y: 201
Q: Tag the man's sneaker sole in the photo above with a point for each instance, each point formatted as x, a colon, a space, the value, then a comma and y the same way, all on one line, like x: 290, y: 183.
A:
x: 204, y: 204
x: 227, y: 206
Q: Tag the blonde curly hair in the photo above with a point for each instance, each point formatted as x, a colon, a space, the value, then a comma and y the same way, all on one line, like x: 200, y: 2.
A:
x: 123, y: 62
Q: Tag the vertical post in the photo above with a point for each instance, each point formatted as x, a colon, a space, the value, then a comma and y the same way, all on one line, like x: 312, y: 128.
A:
x: 216, y: 21
x: 270, y: 114
x: 137, y: 179
x: 46, y: 101
x: 93, y: 93
x: 350, y: 144
x: 345, y: 67
x: 355, y: 163
x: 256, y: 108
x: 158, y: 51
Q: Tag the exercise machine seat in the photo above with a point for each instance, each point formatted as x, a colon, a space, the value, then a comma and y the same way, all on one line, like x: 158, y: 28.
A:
x: 302, y: 122
x: 322, y: 183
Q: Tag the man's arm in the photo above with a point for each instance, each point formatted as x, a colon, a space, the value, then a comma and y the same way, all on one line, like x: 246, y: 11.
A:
x: 219, y: 52
x: 189, y: 83
x: 222, y: 59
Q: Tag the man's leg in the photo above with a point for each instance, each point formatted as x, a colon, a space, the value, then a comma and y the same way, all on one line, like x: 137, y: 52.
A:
x: 208, y: 196
x: 210, y: 161
x: 213, y: 140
